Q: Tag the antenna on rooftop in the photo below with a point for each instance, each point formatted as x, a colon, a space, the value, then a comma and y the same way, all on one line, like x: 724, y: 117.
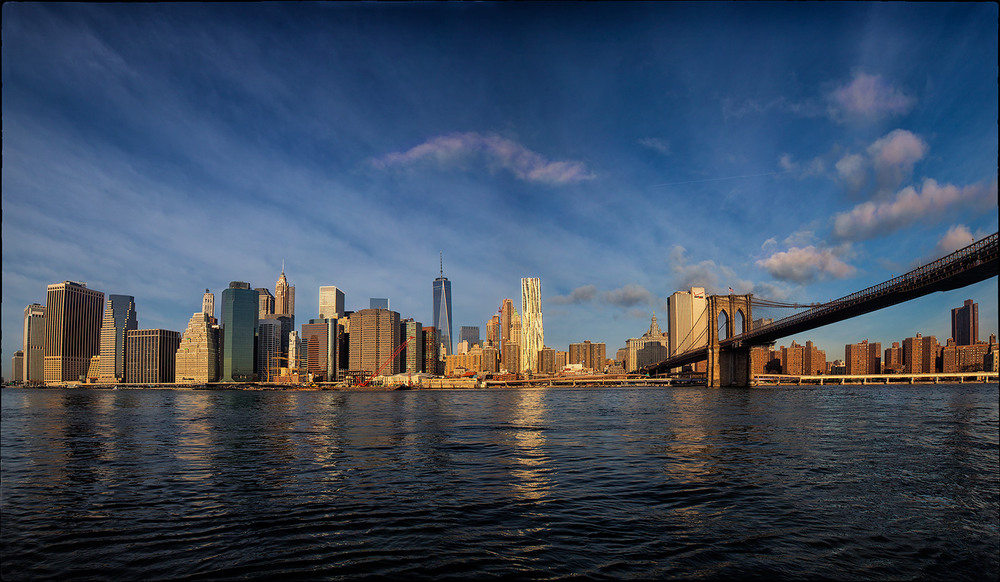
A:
x: 442, y: 264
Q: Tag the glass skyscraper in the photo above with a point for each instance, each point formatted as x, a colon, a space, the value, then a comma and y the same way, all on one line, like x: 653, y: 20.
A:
x: 239, y: 327
x: 119, y: 318
x: 442, y: 312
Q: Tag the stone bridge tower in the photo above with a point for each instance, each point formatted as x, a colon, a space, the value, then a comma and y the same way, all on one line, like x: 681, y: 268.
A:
x: 728, y: 316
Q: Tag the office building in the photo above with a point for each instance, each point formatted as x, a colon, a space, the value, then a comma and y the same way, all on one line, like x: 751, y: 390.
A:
x: 151, y: 356
x: 651, y: 348
x: 687, y: 320
x: 442, y: 312
x: 490, y: 359
x: 411, y: 359
x: 532, y: 330
x: 589, y: 355
x: 510, y: 358
x: 208, y: 305
x: 506, y: 320
x: 284, y: 296
x: 17, y: 367
x: 378, y: 303
x: 119, y: 318
x: 965, y: 324
x: 493, y: 332
x: 197, y: 357
x: 322, y: 339
x: 470, y: 334
x: 547, y: 360
x: 239, y: 332
x: 33, y: 345
x: 432, y: 354
x: 863, y: 358
x: 374, y: 338
x: 265, y: 302
x: 269, y: 356
x: 331, y: 302
x: 73, y: 315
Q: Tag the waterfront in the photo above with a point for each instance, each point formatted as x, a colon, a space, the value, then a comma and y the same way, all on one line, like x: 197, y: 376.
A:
x: 854, y: 482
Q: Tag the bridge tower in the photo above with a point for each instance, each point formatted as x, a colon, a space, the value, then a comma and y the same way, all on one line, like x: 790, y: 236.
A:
x: 728, y: 316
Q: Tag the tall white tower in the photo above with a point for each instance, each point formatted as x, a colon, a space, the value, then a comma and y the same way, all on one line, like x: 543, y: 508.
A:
x: 532, y: 334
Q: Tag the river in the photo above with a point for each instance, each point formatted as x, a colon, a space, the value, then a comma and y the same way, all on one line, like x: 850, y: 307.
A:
x: 841, y: 482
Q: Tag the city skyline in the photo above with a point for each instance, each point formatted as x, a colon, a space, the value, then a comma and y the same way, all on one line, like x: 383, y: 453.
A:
x: 796, y: 152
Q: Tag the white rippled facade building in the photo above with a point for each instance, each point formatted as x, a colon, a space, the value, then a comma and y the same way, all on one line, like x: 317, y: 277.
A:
x: 532, y: 334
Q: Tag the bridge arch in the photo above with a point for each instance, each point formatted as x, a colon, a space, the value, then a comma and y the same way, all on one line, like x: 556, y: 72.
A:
x: 740, y: 322
x: 722, y: 325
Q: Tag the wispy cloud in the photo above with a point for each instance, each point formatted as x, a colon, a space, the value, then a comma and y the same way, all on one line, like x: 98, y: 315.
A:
x: 496, y: 151
x: 630, y: 296
x: 657, y: 144
x: 868, y: 96
x: 579, y: 295
x: 807, y: 264
x: 930, y: 203
x: 886, y: 163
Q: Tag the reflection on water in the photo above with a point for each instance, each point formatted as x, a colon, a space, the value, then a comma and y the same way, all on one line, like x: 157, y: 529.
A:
x: 857, y: 482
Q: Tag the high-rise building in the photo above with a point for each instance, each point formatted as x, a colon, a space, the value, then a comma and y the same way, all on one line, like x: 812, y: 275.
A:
x: 412, y: 357
x: 331, y: 302
x: 547, y: 360
x: 470, y: 333
x: 208, y: 305
x: 269, y: 355
x: 814, y: 360
x: 892, y: 363
x: 119, y: 318
x: 588, y: 354
x: 197, y: 355
x: 920, y: 354
x: 442, y: 312
x: 322, y: 338
x: 493, y: 332
x: 239, y: 330
x: 265, y: 302
x: 34, y: 345
x: 151, y: 356
x: 73, y: 315
x: 432, y: 354
x: 965, y: 324
x: 532, y: 331
x: 687, y: 320
x: 284, y: 296
x: 863, y: 358
x: 374, y: 338
x: 17, y: 367
x: 506, y: 320
x: 378, y: 303
x: 651, y: 348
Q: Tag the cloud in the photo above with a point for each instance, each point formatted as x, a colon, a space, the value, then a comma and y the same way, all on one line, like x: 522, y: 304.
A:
x: 886, y: 163
x: 870, y: 219
x: 806, y: 264
x: 705, y: 274
x: 868, y: 96
x: 657, y: 144
x: 812, y: 168
x: 853, y: 170
x: 630, y: 296
x: 579, y: 295
x: 957, y: 237
x: 496, y: 151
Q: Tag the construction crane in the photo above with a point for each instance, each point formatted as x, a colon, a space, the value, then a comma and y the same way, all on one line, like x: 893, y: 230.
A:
x: 387, y: 362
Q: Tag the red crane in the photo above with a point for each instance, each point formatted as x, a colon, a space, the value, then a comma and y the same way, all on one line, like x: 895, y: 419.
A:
x: 387, y: 362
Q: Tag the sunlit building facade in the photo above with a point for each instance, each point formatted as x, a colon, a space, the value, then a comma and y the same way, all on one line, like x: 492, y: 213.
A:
x: 151, y: 356
x: 532, y: 330
x: 196, y: 360
x: 442, y: 313
x: 119, y: 318
x: 331, y: 302
x: 33, y: 345
x: 73, y: 316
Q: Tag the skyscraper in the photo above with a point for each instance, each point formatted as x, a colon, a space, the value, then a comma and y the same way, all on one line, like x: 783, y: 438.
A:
x: 196, y: 358
x: 687, y: 320
x: 284, y: 296
x: 331, y: 302
x: 412, y: 356
x: 965, y: 324
x: 532, y: 333
x: 239, y: 328
x: 493, y: 332
x: 151, y: 355
x: 269, y: 355
x: 34, y: 344
x: 208, y: 304
x: 470, y: 333
x: 73, y: 315
x: 119, y: 318
x: 506, y: 318
x: 378, y: 303
x: 374, y: 338
x: 322, y: 349
x: 265, y: 302
x: 442, y: 311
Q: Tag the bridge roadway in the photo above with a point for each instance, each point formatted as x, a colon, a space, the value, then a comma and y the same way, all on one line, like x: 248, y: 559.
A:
x: 972, y: 264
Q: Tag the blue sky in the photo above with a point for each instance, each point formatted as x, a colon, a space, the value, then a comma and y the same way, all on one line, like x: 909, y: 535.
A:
x: 797, y: 151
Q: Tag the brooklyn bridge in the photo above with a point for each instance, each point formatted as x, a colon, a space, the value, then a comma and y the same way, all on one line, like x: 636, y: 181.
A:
x: 727, y: 349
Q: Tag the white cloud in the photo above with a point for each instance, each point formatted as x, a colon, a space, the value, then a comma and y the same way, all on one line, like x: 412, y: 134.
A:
x: 893, y: 157
x: 813, y: 167
x: 497, y: 151
x: 807, y: 264
x: 931, y: 202
x: 868, y: 96
x: 957, y: 237
x: 853, y: 170
x: 657, y: 144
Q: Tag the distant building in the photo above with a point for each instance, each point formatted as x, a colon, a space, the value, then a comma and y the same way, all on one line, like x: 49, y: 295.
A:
x: 119, y: 318
x: 491, y: 359
x: 920, y: 354
x: 322, y: 338
x: 965, y: 324
x: 687, y: 320
x: 17, y: 367
x: 513, y: 337
x: 892, y: 362
x: 532, y: 328
x: 813, y: 360
x: 432, y: 352
x: 378, y: 303
x: 73, y: 316
x: 493, y: 332
x: 547, y: 360
x: 265, y: 302
x: 442, y: 312
x: 208, y: 305
x: 151, y: 356
x: 411, y: 359
x: 589, y: 355
x: 33, y: 345
x: 651, y: 348
x: 284, y: 296
x: 562, y: 359
x: 196, y: 360
x: 269, y: 356
x: 239, y: 330
x: 374, y: 338
x: 511, y: 357
x: 863, y: 358
x: 331, y: 302
x: 470, y: 334
x: 966, y: 358
x: 506, y: 320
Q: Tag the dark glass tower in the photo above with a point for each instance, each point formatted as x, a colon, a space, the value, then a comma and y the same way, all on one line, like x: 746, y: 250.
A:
x: 442, y: 310
x: 239, y: 327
